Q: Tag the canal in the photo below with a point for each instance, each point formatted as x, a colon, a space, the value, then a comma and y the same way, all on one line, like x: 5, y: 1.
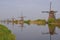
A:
x: 34, y: 32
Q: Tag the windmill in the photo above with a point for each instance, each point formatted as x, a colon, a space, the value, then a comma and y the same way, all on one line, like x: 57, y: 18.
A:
x: 51, y: 12
x: 21, y: 21
x: 12, y: 19
x: 7, y: 21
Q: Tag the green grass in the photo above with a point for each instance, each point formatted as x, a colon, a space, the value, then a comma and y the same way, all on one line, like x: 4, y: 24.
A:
x: 5, y: 33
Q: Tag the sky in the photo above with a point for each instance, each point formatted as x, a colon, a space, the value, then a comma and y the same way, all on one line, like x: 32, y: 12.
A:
x: 31, y: 9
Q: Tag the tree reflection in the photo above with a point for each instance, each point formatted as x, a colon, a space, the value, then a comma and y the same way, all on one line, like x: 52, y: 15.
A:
x: 51, y: 28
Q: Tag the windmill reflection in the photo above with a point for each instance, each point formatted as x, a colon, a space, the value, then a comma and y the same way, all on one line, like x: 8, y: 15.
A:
x: 51, y: 28
x: 12, y: 23
x: 22, y: 26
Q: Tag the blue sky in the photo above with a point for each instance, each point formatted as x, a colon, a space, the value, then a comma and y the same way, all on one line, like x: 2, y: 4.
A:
x: 31, y: 8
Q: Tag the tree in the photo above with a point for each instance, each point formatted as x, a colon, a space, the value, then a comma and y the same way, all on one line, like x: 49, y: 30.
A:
x: 51, y: 20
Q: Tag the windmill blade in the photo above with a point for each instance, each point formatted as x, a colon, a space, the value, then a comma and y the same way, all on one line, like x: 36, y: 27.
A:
x: 12, y: 18
x: 56, y: 33
x: 49, y: 33
x: 45, y: 33
x: 55, y: 11
x: 45, y: 11
x: 22, y: 16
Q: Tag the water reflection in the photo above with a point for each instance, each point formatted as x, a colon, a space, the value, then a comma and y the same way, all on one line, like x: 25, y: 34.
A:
x: 21, y: 25
x: 51, y: 30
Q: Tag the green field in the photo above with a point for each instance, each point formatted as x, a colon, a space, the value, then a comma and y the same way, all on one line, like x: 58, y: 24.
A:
x: 5, y: 33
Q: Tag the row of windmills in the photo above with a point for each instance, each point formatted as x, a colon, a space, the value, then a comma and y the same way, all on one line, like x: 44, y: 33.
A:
x: 51, y: 14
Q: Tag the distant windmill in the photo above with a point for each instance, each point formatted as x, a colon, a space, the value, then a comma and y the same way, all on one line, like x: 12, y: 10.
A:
x: 21, y: 21
x: 12, y: 19
x: 51, y: 12
x: 7, y: 21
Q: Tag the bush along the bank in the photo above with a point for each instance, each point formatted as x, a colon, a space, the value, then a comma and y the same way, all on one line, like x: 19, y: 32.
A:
x: 27, y: 21
x: 51, y: 20
x: 5, y: 33
x: 40, y: 21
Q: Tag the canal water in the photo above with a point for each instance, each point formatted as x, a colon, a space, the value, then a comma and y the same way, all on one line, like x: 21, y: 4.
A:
x: 34, y: 32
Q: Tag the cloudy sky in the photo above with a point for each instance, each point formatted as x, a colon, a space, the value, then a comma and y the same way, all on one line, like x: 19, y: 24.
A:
x: 30, y: 8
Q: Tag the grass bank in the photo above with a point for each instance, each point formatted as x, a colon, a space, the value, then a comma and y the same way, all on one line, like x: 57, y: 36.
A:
x: 5, y: 33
